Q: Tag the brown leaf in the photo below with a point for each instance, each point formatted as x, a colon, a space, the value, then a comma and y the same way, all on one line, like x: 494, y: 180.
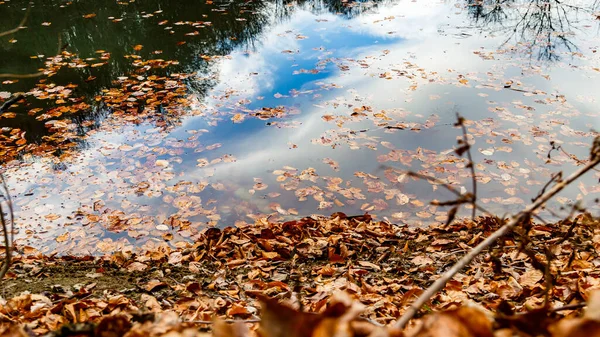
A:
x: 530, y: 278
x: 533, y: 322
x: 116, y: 325
x: 368, y: 264
x: 575, y: 327
x: 588, y: 326
x: 137, y: 266
x: 222, y: 329
x: 154, y: 284
x: 421, y: 260
x: 326, y: 271
x: 270, y: 255
x: 195, y: 267
x: 593, y: 306
x: 461, y: 322
x: 151, y: 303
x: 175, y: 258
x: 340, y: 312
x: 280, y: 320
x: 14, y: 330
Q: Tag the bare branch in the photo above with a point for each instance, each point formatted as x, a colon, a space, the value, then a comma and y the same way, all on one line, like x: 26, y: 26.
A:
x: 21, y: 76
x: 11, y: 101
x: 515, y: 220
x: 571, y: 156
x: 9, y: 203
x: 20, y: 26
x: 6, y: 229
x: 569, y: 307
x: 258, y: 320
x: 252, y: 320
x: 446, y: 186
x: 39, y: 73
x: 7, y: 250
x: 470, y: 165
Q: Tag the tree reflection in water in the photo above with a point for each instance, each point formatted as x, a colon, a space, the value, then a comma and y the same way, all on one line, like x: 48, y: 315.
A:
x: 544, y: 28
x: 192, y: 32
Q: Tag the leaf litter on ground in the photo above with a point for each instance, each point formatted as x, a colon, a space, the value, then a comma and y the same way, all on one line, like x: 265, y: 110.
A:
x: 323, y: 276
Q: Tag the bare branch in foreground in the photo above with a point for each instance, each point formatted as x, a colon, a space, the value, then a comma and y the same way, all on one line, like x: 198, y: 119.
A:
x: 6, y: 229
x: 252, y: 320
x: 7, y: 250
x: 447, y: 186
x: 9, y: 203
x: 440, y: 283
x: 569, y: 307
x: 258, y: 320
x: 470, y: 165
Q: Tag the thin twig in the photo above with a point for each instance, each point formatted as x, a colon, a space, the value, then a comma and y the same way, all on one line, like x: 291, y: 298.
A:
x: 541, y: 219
x: 372, y: 321
x: 470, y: 165
x: 9, y: 203
x: 571, y: 156
x: 445, y: 185
x: 516, y: 219
x: 258, y: 320
x: 574, y: 306
x: 7, y: 255
x: 252, y: 320
x: 569, y: 307
x: 5, y: 230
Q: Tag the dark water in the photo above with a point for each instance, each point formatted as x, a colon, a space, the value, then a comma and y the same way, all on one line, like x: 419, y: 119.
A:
x: 288, y: 109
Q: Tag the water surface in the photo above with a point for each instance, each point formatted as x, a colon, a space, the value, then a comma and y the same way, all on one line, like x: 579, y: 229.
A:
x: 158, y: 119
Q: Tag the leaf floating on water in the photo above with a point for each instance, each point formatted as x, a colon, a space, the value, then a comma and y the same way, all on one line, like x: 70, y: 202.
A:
x: 238, y: 118
x: 332, y: 163
x: 63, y: 237
x: 487, y: 152
x: 52, y: 217
x: 162, y: 163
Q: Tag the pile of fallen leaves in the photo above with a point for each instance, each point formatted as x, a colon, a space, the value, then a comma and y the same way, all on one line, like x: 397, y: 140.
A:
x: 380, y: 267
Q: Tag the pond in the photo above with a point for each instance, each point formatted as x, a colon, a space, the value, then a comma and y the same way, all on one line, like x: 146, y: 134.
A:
x: 146, y: 122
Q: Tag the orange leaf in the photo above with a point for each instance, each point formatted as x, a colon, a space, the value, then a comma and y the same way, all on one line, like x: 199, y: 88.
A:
x: 237, y: 309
